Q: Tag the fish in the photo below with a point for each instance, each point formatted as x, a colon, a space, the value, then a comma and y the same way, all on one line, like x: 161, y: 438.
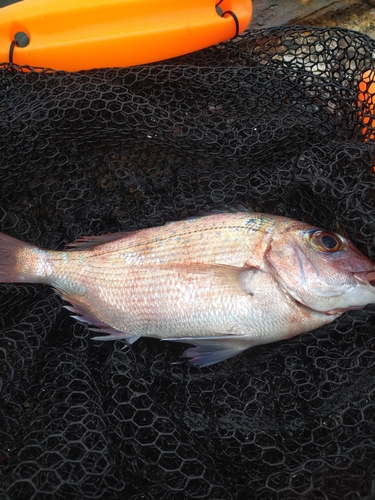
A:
x: 222, y: 282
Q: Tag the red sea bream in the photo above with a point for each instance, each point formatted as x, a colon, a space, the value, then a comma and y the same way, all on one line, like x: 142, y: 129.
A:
x: 222, y: 282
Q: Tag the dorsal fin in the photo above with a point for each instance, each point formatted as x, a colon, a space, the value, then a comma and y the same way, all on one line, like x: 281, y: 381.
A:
x: 85, y: 242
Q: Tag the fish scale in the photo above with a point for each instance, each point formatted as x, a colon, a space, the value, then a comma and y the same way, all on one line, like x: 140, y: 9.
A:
x: 223, y: 282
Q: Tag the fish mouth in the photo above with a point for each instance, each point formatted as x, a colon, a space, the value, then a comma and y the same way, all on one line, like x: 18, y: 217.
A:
x: 366, y: 278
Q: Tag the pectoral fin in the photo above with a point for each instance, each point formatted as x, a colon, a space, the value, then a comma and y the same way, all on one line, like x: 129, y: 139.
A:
x: 235, y: 279
x: 211, y: 350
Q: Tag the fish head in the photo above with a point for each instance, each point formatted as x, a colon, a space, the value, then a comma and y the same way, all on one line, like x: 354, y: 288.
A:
x: 321, y: 269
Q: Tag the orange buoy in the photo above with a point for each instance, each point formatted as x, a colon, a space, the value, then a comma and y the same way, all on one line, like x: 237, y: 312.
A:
x: 82, y: 34
x: 366, y: 102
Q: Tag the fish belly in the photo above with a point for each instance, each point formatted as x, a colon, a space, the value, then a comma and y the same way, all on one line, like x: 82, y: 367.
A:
x: 194, y: 300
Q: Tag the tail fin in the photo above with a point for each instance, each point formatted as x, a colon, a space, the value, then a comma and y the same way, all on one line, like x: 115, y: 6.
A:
x: 16, y: 259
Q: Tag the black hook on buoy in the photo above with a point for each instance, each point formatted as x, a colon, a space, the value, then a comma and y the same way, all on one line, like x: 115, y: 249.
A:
x: 231, y: 13
x: 20, y: 39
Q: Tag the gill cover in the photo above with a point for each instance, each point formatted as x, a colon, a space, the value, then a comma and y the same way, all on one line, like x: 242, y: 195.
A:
x: 317, y: 268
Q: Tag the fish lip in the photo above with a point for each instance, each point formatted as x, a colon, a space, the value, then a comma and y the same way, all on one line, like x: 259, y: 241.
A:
x: 366, y: 278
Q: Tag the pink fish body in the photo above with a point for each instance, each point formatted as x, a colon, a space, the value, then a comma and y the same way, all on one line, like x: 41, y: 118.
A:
x: 223, y: 282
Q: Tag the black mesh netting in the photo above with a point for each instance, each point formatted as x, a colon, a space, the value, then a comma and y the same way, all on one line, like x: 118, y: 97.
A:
x: 271, y: 121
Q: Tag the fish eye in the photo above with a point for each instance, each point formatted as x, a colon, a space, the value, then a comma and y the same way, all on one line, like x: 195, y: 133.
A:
x: 325, y: 241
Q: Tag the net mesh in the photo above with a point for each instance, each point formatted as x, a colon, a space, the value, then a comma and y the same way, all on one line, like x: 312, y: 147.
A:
x: 272, y: 121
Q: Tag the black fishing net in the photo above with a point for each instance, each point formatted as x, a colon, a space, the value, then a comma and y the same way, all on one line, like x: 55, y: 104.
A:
x: 277, y: 121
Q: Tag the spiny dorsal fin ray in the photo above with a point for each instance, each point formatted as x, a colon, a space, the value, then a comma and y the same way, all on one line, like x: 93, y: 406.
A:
x: 85, y: 242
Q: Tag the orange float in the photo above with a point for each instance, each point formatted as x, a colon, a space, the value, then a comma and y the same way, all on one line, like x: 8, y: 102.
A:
x: 74, y: 35
x: 366, y: 97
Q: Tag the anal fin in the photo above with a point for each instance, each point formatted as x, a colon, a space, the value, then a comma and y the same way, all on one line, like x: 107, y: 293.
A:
x: 114, y: 335
x: 84, y: 316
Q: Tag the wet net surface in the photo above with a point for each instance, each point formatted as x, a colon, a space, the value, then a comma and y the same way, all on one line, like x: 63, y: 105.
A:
x: 272, y: 121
